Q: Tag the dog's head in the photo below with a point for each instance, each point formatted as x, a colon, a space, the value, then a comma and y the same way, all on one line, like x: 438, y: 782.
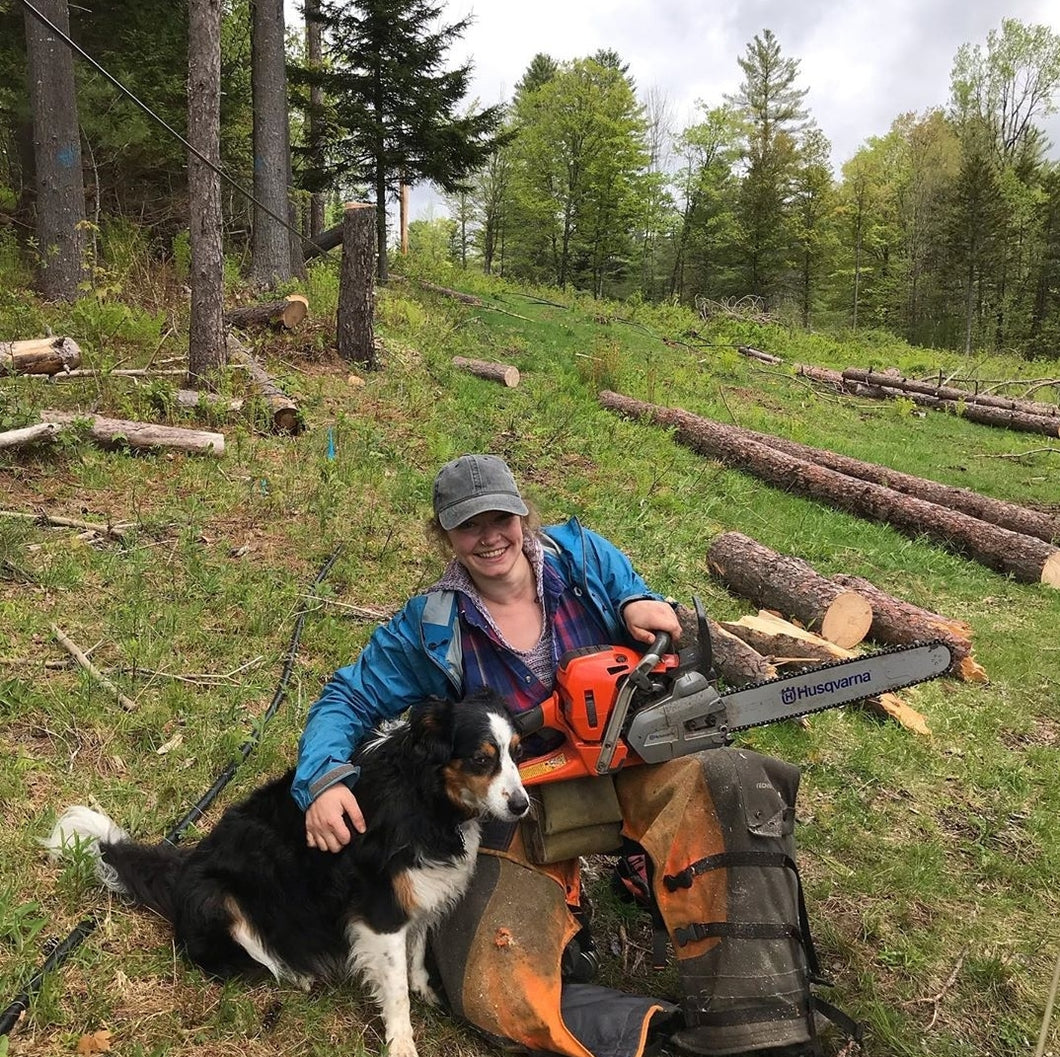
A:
x: 475, y: 745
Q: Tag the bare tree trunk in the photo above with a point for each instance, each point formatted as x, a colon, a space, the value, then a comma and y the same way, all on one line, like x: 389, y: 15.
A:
x: 271, y: 248
x: 57, y: 152
x: 206, y: 343
x: 355, y: 335
x: 314, y: 59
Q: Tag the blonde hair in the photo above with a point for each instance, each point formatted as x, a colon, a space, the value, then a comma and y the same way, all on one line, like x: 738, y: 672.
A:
x: 439, y: 538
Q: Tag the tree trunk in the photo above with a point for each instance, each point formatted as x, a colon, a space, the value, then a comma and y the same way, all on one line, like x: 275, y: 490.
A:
x: 206, y: 344
x: 791, y: 586
x: 996, y: 511
x: 118, y: 433
x: 286, y: 417
x: 271, y: 249
x: 504, y: 373
x: 60, y: 203
x: 356, y: 337
x: 287, y: 313
x: 896, y: 622
x: 946, y: 392
x: 1025, y: 558
x: 315, y: 133
x: 39, y: 356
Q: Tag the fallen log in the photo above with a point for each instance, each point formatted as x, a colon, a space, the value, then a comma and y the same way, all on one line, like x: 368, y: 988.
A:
x: 779, y: 640
x: 505, y: 373
x: 288, y: 313
x: 996, y: 511
x: 39, y: 356
x: 984, y: 416
x: 946, y: 392
x: 116, y: 432
x: 1025, y: 558
x: 790, y: 585
x: 286, y: 417
x: 735, y: 662
x: 757, y: 354
x: 29, y: 435
x: 192, y: 398
x: 322, y: 242
x: 897, y: 622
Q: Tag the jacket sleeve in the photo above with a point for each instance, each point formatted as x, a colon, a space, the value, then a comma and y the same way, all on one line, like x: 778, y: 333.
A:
x: 621, y: 582
x: 392, y: 673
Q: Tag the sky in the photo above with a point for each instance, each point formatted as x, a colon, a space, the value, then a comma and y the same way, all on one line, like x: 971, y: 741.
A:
x: 863, y: 62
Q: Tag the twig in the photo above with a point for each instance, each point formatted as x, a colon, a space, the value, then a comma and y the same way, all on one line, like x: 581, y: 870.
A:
x: 117, y: 531
x: 363, y: 612
x: 935, y: 1000
x: 1018, y: 454
x: 1048, y: 1016
x: 78, y: 655
x: 200, y: 678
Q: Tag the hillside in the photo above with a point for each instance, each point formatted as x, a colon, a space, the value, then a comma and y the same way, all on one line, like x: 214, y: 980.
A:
x: 929, y: 860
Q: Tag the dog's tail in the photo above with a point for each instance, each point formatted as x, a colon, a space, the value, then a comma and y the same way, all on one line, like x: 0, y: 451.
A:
x: 145, y: 873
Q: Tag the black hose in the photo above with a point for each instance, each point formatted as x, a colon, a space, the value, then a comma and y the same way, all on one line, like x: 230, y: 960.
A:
x: 10, y: 1016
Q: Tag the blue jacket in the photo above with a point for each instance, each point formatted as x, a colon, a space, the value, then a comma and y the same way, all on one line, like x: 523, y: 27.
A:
x: 417, y: 655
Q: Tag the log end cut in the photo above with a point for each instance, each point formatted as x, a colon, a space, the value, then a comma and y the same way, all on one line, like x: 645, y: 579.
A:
x: 1051, y: 570
x: 847, y: 620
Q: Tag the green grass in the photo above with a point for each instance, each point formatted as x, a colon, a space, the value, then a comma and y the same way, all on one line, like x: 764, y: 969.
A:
x: 930, y: 863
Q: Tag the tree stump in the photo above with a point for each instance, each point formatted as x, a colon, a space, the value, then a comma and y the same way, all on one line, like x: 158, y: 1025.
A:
x: 791, y: 586
x: 505, y: 373
x: 117, y: 432
x: 1025, y: 558
x: 286, y: 418
x: 39, y: 356
x: 286, y: 314
x: 355, y: 335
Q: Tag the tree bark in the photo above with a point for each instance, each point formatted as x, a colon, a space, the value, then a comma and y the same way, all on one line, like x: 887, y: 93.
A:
x: 998, y: 512
x: 60, y: 203
x: 356, y: 308
x: 271, y: 249
x: 1025, y: 558
x: 286, y: 417
x: 287, y: 313
x: 946, y: 392
x: 314, y: 124
x: 735, y: 663
x: 896, y: 622
x: 39, y: 356
x: 206, y: 344
x: 504, y: 373
x: 116, y: 432
x: 791, y: 586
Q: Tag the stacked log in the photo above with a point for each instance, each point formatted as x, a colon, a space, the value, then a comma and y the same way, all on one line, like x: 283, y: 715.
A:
x: 1025, y: 558
x: 39, y: 356
x: 504, y: 373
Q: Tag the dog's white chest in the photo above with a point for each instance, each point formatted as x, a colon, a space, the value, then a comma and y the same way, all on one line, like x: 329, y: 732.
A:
x: 435, y: 885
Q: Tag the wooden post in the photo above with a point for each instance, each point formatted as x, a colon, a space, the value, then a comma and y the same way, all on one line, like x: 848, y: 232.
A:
x: 355, y: 337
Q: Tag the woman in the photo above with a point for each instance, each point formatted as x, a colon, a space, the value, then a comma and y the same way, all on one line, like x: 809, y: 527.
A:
x: 513, y: 599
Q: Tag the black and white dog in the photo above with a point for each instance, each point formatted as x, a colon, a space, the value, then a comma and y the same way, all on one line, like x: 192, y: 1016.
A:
x: 251, y: 894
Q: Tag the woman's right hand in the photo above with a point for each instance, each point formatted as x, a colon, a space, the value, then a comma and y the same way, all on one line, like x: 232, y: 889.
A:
x: 325, y: 821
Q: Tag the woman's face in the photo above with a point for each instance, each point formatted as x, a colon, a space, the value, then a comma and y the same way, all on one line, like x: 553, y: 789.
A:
x: 488, y: 545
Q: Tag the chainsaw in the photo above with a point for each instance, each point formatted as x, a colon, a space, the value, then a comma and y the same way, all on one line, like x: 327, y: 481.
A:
x: 614, y: 707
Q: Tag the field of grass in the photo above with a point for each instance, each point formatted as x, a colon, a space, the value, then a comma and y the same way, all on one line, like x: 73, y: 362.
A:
x: 931, y: 863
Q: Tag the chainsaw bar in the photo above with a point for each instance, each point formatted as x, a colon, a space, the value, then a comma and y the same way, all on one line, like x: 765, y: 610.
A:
x: 815, y: 690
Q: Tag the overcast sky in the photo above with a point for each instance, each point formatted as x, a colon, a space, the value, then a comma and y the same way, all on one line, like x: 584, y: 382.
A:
x: 863, y: 62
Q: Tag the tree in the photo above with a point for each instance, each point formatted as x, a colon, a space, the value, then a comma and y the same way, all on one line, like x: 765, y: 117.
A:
x: 813, y: 202
x: 314, y: 57
x: 772, y: 109
x: 60, y: 200
x: 206, y: 344
x: 396, y: 105
x: 271, y: 254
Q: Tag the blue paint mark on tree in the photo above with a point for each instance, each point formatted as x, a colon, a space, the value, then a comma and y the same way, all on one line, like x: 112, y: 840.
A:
x: 67, y: 157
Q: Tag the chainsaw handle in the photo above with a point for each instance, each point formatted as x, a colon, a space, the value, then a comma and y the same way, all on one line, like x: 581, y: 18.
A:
x: 660, y: 645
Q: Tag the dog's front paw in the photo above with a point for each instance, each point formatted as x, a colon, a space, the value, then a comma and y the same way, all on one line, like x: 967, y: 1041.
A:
x: 423, y: 990
x: 401, y: 1046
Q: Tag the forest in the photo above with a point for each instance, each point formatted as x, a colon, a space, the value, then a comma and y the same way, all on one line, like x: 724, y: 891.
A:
x: 944, y: 232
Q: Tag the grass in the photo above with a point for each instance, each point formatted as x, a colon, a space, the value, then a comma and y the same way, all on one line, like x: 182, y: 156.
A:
x: 930, y: 863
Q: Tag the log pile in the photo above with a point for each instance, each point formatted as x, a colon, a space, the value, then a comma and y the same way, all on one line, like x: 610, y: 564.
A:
x: 1025, y: 558
x: 39, y: 356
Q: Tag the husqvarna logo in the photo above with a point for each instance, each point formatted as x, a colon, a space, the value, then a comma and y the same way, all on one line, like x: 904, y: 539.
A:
x: 789, y: 695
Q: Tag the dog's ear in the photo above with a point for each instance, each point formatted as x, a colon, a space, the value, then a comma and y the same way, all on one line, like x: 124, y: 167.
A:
x: 431, y: 727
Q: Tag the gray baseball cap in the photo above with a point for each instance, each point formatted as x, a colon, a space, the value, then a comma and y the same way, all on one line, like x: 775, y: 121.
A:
x: 471, y: 485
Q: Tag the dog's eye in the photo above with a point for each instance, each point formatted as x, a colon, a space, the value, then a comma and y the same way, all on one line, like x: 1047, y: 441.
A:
x: 517, y: 753
x: 481, y: 759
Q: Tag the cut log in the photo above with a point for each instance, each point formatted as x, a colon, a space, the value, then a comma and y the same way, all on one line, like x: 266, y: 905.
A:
x: 39, y: 356
x: 946, y: 392
x: 735, y: 662
x: 1025, y: 558
x: 774, y: 636
x: 757, y: 354
x: 997, y: 511
x: 1048, y: 425
x: 192, y: 398
x: 117, y: 432
x: 286, y: 417
x: 355, y: 337
x: 896, y: 622
x: 504, y: 373
x: 288, y: 313
x: 29, y: 435
x: 790, y: 585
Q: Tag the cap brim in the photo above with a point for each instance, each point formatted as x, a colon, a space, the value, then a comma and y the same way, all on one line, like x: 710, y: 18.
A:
x: 466, y: 509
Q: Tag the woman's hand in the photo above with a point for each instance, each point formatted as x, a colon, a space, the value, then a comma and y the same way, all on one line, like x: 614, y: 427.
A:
x: 646, y: 617
x: 325, y: 821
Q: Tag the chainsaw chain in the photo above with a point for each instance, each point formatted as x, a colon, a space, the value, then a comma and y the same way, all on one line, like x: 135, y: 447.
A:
x: 881, y: 652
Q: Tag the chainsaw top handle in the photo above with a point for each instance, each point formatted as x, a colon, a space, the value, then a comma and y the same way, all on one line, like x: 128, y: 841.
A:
x: 660, y: 645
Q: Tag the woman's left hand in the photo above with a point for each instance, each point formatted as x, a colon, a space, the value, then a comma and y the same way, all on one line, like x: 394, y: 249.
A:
x: 646, y: 617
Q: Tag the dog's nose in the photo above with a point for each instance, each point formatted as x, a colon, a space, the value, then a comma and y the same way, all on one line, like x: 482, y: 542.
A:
x: 518, y: 804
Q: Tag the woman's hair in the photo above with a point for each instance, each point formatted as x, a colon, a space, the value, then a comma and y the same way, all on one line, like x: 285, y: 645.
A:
x: 439, y: 537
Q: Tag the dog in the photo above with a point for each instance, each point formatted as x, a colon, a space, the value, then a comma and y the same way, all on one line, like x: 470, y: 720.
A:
x: 251, y: 896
